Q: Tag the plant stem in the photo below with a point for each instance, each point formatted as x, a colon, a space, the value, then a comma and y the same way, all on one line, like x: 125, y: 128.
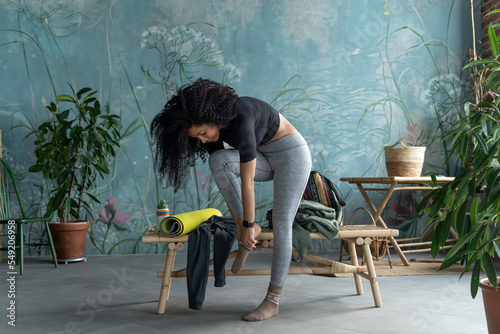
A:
x: 80, y: 192
x: 105, y: 237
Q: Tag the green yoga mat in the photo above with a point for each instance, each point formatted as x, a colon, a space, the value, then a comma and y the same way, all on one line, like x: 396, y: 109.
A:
x: 184, y: 223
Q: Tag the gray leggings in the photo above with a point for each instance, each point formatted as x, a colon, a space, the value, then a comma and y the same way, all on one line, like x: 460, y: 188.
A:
x: 286, y: 161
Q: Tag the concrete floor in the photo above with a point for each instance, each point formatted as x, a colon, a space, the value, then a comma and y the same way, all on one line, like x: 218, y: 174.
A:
x: 119, y: 294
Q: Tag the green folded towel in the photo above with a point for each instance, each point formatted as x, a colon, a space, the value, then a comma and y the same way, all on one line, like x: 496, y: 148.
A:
x: 313, y: 217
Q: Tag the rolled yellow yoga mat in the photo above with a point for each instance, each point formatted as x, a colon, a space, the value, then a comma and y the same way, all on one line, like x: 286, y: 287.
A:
x: 184, y: 223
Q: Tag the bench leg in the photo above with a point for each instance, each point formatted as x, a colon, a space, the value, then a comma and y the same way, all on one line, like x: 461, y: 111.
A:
x: 372, y: 276
x: 354, y: 262
x: 167, y: 278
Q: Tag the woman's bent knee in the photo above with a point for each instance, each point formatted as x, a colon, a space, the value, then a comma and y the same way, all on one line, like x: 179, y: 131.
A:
x: 221, y: 158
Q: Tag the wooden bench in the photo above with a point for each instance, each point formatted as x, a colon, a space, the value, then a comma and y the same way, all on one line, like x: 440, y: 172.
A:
x: 361, y: 235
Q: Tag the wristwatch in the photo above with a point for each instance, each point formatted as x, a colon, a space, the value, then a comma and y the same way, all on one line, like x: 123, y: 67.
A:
x: 248, y: 224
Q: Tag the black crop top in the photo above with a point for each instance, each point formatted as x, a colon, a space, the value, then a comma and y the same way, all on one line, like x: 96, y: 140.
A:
x: 256, y: 123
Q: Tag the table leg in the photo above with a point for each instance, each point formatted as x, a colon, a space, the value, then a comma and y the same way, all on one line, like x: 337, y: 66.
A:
x: 378, y: 211
x: 167, y: 278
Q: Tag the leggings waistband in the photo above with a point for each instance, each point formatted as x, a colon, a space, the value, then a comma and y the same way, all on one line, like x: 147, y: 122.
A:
x: 286, y: 142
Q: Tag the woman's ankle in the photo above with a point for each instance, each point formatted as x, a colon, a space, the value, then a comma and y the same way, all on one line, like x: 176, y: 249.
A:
x: 269, y: 307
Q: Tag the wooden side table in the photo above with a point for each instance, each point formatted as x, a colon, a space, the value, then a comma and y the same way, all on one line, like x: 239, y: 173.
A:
x: 389, y: 185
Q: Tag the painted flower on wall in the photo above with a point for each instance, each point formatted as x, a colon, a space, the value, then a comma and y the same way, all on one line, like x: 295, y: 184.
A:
x: 183, y: 50
x: 446, y: 93
x: 111, y: 216
x: 416, y: 137
x: 110, y: 213
x: 203, y: 179
x: 407, y: 216
x: 59, y: 18
x: 153, y: 37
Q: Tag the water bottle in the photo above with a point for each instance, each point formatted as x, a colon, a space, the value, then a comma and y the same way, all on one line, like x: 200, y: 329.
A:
x: 162, y: 211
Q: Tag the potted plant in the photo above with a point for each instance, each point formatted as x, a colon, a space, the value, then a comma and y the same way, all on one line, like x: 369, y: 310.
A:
x: 471, y: 203
x: 74, y: 147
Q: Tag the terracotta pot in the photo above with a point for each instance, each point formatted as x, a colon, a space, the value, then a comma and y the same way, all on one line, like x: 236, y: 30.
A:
x: 69, y: 239
x: 491, y: 300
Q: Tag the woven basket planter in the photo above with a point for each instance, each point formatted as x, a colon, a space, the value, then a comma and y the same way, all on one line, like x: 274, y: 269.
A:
x: 404, y: 161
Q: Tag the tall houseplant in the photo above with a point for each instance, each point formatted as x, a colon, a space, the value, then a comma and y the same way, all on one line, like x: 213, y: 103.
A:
x: 471, y: 203
x: 74, y: 147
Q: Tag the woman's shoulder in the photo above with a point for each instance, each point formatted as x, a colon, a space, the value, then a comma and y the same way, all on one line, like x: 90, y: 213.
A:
x: 250, y: 99
x: 251, y: 103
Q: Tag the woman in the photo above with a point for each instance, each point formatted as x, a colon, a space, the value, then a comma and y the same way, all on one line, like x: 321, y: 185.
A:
x: 198, y: 120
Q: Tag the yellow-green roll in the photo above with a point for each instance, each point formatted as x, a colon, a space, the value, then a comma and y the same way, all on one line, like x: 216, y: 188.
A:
x: 184, y: 223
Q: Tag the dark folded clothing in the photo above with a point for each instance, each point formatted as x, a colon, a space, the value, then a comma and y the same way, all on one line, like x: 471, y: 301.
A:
x: 224, y: 231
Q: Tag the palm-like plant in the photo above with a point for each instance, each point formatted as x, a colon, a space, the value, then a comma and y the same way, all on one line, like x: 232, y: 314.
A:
x: 73, y: 148
x: 475, y: 191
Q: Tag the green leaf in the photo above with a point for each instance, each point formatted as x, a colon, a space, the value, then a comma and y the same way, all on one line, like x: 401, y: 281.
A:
x: 478, y: 62
x: 65, y: 98
x: 494, y: 194
x: 496, y: 245
x: 460, y: 217
x: 434, y: 180
x: 493, y: 40
x: 52, y: 107
x: 435, y: 244
x: 472, y: 187
x: 119, y: 228
x: 460, y: 194
x: 481, y: 141
x: 63, y: 176
x: 64, y: 115
x: 473, y: 211
x: 474, y: 281
x: 450, y: 260
x: 35, y: 168
x: 58, y: 199
x: 492, y: 12
x: 444, y: 229
x: 82, y: 91
x: 423, y: 203
x: 489, y: 268
x: 93, y: 197
x: 458, y: 248
x: 438, y: 202
x: 478, y: 233
x: 132, y: 127
x: 492, y: 236
x: 89, y: 98
x: 486, y: 126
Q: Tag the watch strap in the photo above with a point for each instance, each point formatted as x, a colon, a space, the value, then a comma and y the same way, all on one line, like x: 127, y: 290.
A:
x: 248, y: 224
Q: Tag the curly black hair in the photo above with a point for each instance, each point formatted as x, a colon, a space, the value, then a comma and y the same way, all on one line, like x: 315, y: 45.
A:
x: 204, y: 101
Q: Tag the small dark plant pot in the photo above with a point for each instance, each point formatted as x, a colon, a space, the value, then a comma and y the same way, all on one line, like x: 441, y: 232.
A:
x: 69, y: 239
x: 491, y: 300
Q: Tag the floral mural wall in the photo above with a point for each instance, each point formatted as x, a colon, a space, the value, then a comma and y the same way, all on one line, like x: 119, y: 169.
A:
x: 352, y: 76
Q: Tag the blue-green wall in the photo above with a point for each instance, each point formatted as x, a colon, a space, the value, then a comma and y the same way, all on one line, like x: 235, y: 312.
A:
x: 352, y: 76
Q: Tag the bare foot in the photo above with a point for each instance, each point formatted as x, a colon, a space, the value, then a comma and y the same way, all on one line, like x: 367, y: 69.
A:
x: 243, y: 253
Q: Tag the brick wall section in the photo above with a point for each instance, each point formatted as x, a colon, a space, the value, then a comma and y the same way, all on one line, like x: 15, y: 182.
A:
x: 487, y: 6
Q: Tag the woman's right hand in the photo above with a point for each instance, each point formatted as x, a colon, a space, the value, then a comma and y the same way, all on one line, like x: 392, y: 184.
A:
x: 248, y: 238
